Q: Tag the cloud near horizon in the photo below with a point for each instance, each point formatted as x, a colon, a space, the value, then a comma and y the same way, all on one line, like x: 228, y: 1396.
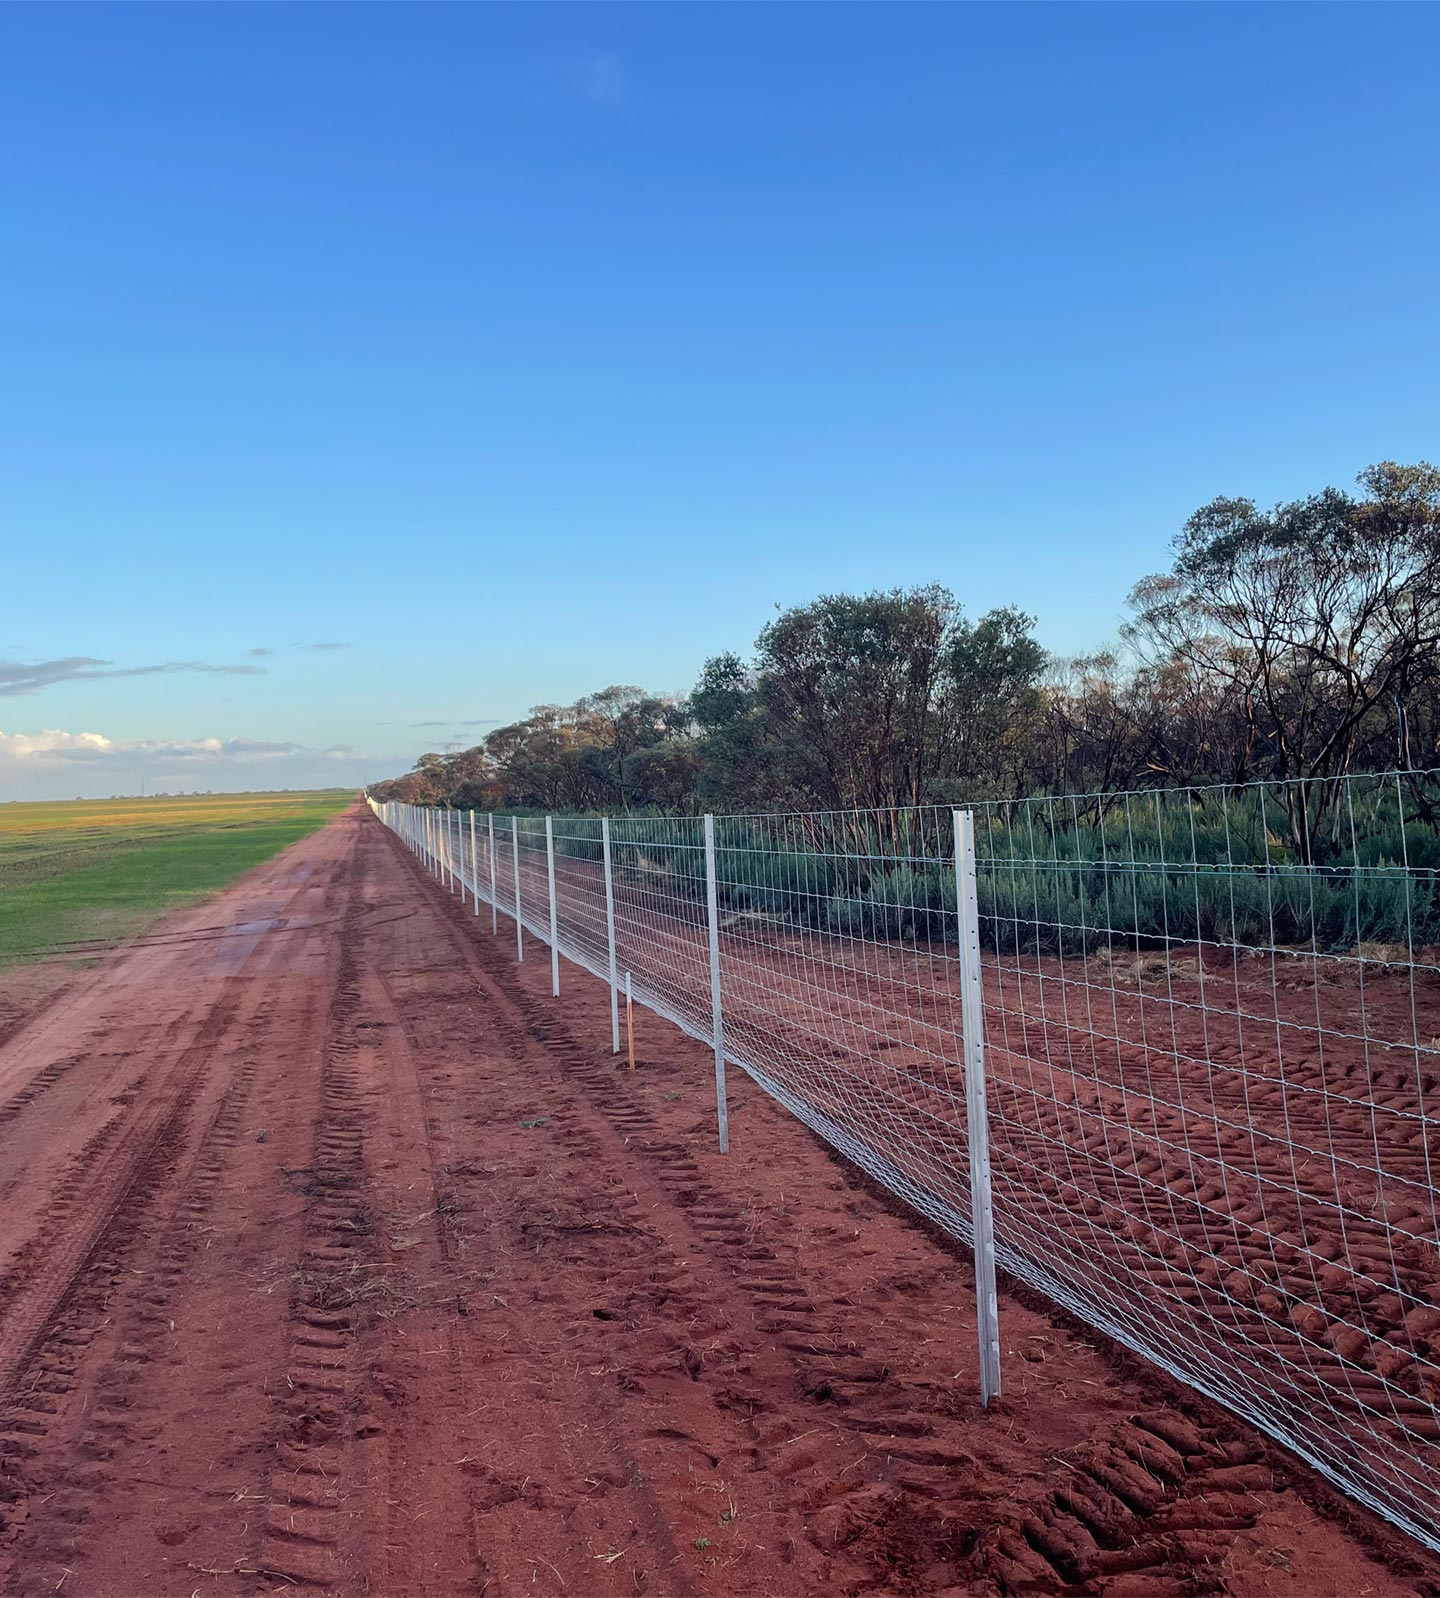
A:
x: 53, y: 744
x: 54, y: 763
x: 32, y: 677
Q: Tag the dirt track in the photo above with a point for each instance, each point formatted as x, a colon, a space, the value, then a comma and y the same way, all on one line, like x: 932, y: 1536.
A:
x: 336, y: 1256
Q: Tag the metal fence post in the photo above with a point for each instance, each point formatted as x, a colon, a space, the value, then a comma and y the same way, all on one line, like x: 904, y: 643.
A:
x: 716, y: 1019
x: 452, y: 822
x: 972, y: 1023
x: 610, y: 935
x: 554, y: 912
x: 515, y: 852
x: 474, y: 868
x: 494, y: 897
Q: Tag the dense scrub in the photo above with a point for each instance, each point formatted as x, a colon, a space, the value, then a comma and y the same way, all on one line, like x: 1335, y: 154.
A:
x: 1071, y: 875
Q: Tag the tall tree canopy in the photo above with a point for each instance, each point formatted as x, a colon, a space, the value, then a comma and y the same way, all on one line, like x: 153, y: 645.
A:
x: 1298, y: 642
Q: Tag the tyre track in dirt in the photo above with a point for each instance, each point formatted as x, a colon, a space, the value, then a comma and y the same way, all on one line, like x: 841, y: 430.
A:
x: 314, y: 1475
x: 92, y: 1197
x: 572, y: 1503
x: 422, y: 1295
x: 1152, y: 1503
x: 101, y: 1282
x: 1195, y: 1156
x: 870, y: 1416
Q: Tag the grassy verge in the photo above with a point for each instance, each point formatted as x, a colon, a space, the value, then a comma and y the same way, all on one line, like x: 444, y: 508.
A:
x: 96, y: 872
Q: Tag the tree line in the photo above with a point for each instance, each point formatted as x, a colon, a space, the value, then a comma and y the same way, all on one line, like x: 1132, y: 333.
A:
x: 1299, y: 642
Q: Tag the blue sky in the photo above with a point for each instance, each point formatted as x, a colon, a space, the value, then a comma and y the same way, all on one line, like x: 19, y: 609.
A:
x: 526, y: 349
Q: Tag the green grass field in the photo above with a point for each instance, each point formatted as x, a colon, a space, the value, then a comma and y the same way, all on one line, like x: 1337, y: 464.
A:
x: 96, y: 871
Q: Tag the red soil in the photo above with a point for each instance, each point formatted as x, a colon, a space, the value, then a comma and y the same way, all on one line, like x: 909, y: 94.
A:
x: 1230, y: 1157
x: 336, y: 1256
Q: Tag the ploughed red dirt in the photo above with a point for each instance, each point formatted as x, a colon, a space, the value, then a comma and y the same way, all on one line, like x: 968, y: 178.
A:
x: 337, y: 1256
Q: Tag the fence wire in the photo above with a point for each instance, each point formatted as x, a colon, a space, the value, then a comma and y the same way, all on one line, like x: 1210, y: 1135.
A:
x: 1213, y: 1033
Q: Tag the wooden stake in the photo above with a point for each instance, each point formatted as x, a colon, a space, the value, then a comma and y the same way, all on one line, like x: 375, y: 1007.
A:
x: 629, y: 1021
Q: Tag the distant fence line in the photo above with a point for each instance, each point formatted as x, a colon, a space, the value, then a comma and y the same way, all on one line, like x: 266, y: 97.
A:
x: 1172, y: 1057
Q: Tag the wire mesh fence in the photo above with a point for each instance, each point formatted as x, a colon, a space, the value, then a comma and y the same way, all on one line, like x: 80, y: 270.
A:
x: 1212, y: 1022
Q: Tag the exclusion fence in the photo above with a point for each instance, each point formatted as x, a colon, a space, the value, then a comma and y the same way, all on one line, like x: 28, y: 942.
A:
x: 1171, y: 1057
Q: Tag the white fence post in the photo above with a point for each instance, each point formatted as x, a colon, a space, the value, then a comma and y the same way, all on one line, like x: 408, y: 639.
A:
x: 610, y: 935
x: 972, y: 1023
x: 716, y: 1019
x: 452, y: 828
x: 494, y: 898
x: 515, y: 852
x: 554, y: 912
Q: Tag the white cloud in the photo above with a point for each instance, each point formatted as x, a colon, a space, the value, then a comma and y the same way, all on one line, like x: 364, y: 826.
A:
x: 54, y: 762
x: 51, y: 742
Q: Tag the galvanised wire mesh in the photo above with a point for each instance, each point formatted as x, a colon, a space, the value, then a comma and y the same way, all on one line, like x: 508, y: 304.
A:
x: 580, y: 892
x: 1213, y: 1058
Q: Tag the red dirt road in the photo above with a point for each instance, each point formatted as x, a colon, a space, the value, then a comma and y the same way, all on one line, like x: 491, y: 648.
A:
x: 336, y: 1256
